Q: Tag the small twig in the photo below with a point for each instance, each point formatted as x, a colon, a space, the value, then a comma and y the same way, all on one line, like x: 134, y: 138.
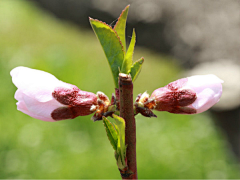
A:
x: 127, y: 113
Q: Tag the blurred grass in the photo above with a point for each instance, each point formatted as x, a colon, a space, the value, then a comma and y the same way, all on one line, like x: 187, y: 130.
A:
x: 171, y: 146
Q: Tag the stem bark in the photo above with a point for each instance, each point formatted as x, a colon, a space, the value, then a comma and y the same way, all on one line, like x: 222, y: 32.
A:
x: 127, y: 113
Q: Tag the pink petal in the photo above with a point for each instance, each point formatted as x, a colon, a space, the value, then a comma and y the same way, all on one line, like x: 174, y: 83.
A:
x: 206, y: 99
x: 21, y: 106
x: 38, y: 109
x: 200, y: 82
x: 35, y: 83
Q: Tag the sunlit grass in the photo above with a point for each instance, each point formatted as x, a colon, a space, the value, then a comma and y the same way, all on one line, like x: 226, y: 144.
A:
x: 170, y: 146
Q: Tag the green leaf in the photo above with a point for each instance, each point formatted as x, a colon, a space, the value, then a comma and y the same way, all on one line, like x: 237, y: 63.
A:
x: 120, y: 125
x: 111, y: 133
x: 120, y: 164
x: 136, y: 68
x: 116, y: 136
x: 121, y: 147
x: 120, y: 26
x: 128, y: 60
x: 111, y: 45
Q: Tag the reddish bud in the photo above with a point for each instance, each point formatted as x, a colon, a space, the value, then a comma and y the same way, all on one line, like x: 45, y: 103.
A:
x: 189, y: 95
x: 80, y: 103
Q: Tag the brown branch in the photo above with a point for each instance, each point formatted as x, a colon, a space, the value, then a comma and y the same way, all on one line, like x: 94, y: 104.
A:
x: 127, y: 113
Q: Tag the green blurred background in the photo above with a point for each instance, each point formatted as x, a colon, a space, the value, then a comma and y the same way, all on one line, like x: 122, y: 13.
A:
x: 170, y: 146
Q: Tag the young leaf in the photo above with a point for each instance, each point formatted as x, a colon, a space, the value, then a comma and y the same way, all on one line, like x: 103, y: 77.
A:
x: 111, y: 45
x: 121, y: 147
x: 111, y: 133
x: 136, y: 68
x: 120, y: 26
x: 116, y: 136
x: 120, y: 123
x: 120, y: 164
x: 128, y: 60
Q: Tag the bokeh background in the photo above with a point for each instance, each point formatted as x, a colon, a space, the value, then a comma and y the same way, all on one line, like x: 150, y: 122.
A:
x: 170, y: 146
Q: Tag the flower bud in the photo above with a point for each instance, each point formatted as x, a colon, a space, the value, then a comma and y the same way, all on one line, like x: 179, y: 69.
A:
x: 42, y: 96
x: 189, y: 95
x: 80, y: 103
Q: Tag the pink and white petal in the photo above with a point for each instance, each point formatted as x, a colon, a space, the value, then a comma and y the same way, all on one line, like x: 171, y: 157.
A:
x: 43, y: 109
x: 205, y: 100
x: 18, y: 95
x: 21, y: 106
x: 43, y: 92
x: 26, y: 76
x: 200, y: 82
x: 35, y: 83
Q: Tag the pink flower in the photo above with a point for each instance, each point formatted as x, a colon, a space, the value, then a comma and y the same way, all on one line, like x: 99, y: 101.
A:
x: 42, y: 96
x: 189, y: 95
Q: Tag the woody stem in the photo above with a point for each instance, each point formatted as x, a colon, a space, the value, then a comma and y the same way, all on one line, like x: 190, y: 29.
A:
x: 127, y: 113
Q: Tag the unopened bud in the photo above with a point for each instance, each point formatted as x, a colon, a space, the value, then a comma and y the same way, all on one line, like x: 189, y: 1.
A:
x: 42, y: 96
x: 80, y: 103
x: 189, y: 95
